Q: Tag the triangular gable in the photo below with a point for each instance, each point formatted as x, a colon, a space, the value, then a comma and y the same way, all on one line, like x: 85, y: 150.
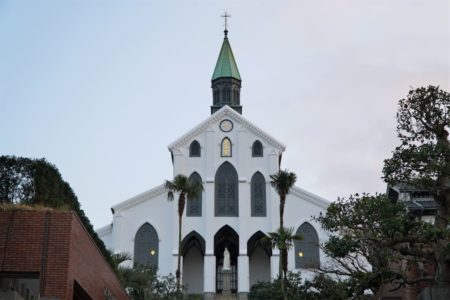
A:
x: 230, y: 113
x: 156, y: 191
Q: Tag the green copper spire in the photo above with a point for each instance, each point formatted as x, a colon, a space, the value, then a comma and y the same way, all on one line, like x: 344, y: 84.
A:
x: 226, y: 80
x: 226, y: 65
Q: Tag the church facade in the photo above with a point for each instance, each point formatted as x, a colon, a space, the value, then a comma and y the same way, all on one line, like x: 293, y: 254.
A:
x: 233, y: 159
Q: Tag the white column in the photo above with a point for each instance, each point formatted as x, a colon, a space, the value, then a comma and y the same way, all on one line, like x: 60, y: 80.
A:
x: 116, y: 240
x: 273, y: 200
x: 243, y: 274
x: 209, y: 273
x: 275, y: 263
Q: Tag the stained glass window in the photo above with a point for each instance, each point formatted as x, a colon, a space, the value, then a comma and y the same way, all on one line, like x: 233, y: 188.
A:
x: 146, y: 246
x: 194, y: 206
x: 194, y: 149
x: 226, y: 191
x: 226, y: 147
x: 258, y: 195
x: 257, y: 149
x: 307, y: 254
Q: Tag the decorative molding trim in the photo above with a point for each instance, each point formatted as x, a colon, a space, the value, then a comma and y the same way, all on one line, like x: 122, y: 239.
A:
x: 225, y: 111
x: 310, y: 197
x: 156, y: 191
x: 102, y: 231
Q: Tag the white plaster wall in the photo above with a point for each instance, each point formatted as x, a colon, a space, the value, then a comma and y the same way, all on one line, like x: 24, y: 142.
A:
x: 162, y: 215
x: 157, y: 211
x: 106, y: 237
x: 299, y: 210
x: 246, y: 165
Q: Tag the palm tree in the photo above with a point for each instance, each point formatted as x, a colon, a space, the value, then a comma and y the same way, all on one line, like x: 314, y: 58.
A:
x: 185, y: 188
x: 282, y: 182
x: 283, y: 239
x: 117, y: 259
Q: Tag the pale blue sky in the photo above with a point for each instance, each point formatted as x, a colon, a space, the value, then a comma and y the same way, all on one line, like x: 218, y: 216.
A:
x: 101, y: 87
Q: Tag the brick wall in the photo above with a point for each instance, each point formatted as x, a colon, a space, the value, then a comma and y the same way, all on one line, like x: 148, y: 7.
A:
x: 55, y: 245
x: 89, y: 268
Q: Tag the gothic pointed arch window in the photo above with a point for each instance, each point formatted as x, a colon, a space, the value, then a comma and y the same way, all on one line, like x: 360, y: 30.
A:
x: 146, y: 246
x: 257, y: 149
x: 224, y: 95
x: 227, y: 96
x: 226, y: 147
x: 216, y: 97
x: 194, y: 206
x: 258, y: 195
x: 307, y: 254
x: 226, y: 202
x: 194, y: 149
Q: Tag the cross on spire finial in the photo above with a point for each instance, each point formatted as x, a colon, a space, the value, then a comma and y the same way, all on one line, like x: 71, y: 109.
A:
x: 226, y: 16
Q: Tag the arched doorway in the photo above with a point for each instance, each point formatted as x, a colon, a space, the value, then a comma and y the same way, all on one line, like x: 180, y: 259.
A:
x: 259, y: 254
x: 226, y: 237
x: 193, y: 251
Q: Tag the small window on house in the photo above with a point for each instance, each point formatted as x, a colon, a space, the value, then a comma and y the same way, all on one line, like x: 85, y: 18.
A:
x: 257, y: 149
x: 194, y: 149
x: 226, y: 147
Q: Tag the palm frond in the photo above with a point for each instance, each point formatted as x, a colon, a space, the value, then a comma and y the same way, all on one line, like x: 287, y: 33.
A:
x: 283, y: 181
x: 120, y: 257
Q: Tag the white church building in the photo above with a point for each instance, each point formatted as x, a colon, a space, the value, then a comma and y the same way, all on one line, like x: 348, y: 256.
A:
x: 233, y: 158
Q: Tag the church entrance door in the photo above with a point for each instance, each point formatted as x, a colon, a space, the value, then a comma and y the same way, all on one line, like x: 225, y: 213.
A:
x: 193, y: 251
x: 226, y: 237
x: 259, y: 253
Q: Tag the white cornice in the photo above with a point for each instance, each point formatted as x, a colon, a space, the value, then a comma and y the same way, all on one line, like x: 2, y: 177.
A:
x: 226, y: 111
x: 310, y: 197
x: 104, y: 230
x: 156, y: 191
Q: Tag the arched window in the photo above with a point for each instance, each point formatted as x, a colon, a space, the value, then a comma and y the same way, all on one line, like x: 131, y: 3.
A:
x: 225, y: 149
x: 227, y: 96
x: 257, y: 149
x: 224, y: 95
x: 216, y: 97
x: 146, y: 246
x: 194, y: 149
x: 307, y: 253
x: 258, y: 195
x: 194, y: 206
x: 226, y: 202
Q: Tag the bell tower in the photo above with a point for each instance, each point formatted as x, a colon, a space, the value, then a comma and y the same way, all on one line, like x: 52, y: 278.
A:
x: 226, y: 81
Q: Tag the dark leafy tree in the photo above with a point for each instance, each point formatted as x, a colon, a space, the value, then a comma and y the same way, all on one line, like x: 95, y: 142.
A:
x: 38, y: 182
x: 185, y: 188
x: 423, y: 160
x: 369, y: 239
x: 282, y: 182
x: 321, y: 287
x: 143, y: 283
